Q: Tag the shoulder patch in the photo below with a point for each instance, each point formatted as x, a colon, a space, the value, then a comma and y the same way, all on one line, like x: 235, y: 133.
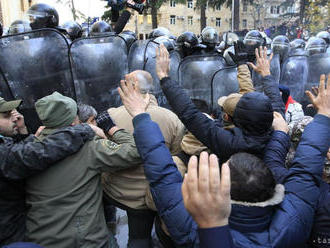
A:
x: 110, y: 145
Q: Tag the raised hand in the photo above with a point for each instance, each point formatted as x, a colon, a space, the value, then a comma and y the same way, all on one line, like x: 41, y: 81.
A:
x: 134, y: 102
x: 162, y: 62
x: 263, y: 62
x: 321, y: 101
x: 279, y: 124
x: 205, y: 195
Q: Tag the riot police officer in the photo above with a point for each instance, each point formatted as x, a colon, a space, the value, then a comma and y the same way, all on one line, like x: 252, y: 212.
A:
x: 43, y: 16
x: 161, y: 31
x: 188, y: 44
x: 73, y: 30
x: 101, y: 28
x: 281, y: 46
x: 210, y: 38
x: 253, y: 40
x: 19, y: 26
x: 316, y: 45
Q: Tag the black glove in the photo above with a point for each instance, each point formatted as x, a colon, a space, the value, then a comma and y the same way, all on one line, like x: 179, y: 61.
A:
x: 241, y: 56
x: 104, y: 121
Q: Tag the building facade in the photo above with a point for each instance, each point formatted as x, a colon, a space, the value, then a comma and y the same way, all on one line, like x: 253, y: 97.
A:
x: 179, y: 18
x: 11, y: 10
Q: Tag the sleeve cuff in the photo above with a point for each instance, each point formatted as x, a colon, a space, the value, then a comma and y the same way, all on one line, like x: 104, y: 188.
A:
x: 212, y: 237
x: 140, y: 119
x: 164, y: 80
x: 322, y: 119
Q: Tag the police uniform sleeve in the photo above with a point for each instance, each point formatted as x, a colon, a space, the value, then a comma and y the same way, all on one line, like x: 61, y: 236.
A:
x: 116, y: 154
x: 26, y: 158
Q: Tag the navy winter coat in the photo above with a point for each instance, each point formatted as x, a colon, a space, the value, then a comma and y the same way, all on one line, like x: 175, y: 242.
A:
x: 287, y: 224
x: 253, y: 119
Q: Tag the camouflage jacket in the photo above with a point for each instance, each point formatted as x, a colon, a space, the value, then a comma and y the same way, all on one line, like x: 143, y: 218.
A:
x: 20, y: 160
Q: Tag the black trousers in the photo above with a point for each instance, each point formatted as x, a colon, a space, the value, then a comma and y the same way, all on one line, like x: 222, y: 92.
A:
x: 140, y: 223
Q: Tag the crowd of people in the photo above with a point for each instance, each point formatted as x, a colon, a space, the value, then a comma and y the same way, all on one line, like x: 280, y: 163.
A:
x: 252, y: 172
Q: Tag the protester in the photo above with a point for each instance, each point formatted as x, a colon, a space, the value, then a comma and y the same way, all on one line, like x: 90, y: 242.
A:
x: 66, y: 200
x: 283, y: 219
x: 253, y: 114
x: 22, y: 157
x: 127, y: 189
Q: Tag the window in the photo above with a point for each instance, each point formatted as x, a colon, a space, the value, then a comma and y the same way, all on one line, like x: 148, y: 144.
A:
x: 190, y: 20
x: 244, y: 23
x: 141, y: 36
x: 218, y: 7
x: 172, y: 3
x: 140, y: 19
x: 190, y: 4
x: 172, y: 19
x: 218, y: 22
x: 275, y: 9
x: 149, y: 19
x: 245, y: 6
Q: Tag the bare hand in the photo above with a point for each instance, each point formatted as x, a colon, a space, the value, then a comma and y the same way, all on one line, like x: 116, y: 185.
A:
x: 40, y: 129
x: 321, y: 101
x: 162, y: 62
x: 98, y: 131
x: 135, y: 103
x: 279, y: 124
x: 205, y: 196
x: 18, y: 118
x: 263, y: 62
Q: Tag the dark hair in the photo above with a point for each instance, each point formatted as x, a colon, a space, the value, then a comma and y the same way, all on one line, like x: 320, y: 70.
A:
x: 251, y: 179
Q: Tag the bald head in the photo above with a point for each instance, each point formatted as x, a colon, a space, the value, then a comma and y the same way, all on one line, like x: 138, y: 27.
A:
x: 146, y: 82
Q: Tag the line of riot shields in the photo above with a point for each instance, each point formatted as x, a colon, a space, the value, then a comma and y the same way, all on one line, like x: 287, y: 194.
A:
x: 37, y: 63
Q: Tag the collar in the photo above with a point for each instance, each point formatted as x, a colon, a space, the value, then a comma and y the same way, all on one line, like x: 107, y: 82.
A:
x: 275, y: 200
x: 255, y: 217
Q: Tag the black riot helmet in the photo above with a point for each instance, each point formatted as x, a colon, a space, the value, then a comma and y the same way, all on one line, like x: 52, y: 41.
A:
x: 42, y: 16
x: 297, y: 47
x: 73, y: 29
x: 281, y: 46
x: 297, y: 43
x: 19, y: 26
x: 187, y: 42
x: 161, y: 31
x: 325, y: 35
x: 229, y: 38
x: 253, y: 40
x: 166, y: 41
x: 101, y: 28
x: 210, y: 37
x: 129, y: 37
x: 316, y: 45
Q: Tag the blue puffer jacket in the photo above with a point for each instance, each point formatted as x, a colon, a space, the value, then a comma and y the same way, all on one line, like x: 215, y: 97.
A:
x: 287, y: 224
x: 275, y: 159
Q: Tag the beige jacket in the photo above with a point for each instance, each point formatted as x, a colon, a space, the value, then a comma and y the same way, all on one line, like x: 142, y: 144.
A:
x: 129, y: 186
x: 191, y: 146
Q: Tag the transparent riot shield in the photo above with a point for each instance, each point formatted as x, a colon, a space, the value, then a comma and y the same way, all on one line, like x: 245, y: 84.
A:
x: 36, y: 64
x: 294, y: 75
x: 318, y: 64
x: 224, y: 83
x: 275, y: 70
x: 142, y: 56
x: 98, y: 65
x: 196, y: 74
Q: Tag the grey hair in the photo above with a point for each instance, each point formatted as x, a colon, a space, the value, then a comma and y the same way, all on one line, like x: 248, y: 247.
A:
x: 85, y: 112
x: 146, y: 82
